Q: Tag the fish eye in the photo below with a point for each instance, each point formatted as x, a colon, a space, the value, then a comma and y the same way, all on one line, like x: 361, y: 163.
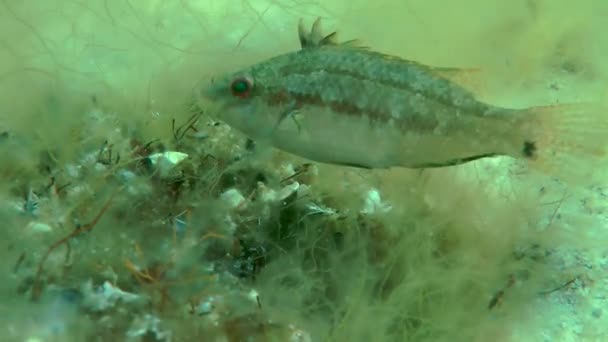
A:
x: 241, y: 86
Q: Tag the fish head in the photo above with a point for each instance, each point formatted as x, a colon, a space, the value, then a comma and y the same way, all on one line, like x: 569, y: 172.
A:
x: 246, y: 100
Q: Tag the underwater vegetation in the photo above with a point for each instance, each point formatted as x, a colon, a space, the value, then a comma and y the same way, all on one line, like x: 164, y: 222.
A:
x: 128, y: 213
x: 213, y: 246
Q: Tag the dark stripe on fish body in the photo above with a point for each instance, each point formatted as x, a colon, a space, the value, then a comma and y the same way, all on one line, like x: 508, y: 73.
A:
x: 376, y: 117
x: 384, y: 70
x: 362, y: 83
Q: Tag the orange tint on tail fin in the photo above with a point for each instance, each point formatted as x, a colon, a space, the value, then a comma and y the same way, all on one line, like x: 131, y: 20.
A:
x: 566, y: 141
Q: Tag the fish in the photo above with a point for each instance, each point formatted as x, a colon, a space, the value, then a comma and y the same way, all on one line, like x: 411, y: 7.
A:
x: 343, y: 103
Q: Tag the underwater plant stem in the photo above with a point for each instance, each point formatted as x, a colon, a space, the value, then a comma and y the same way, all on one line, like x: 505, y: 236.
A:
x: 79, y: 230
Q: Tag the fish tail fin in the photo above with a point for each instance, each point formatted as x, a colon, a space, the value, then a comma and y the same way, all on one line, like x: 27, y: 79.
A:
x: 566, y: 141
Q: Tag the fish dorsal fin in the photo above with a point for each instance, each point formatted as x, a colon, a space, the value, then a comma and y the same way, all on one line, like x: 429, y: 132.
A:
x: 315, y: 37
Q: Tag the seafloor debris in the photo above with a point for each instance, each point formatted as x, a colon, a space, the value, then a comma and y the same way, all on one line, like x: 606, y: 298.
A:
x: 212, y: 194
x: 374, y: 204
x: 147, y: 327
x: 106, y: 296
x: 164, y: 162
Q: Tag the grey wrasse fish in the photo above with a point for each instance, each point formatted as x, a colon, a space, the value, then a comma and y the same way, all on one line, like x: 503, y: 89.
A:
x: 340, y: 103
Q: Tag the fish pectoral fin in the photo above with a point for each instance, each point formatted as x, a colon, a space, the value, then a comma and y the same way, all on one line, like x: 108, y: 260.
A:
x: 292, y: 112
x: 454, y: 162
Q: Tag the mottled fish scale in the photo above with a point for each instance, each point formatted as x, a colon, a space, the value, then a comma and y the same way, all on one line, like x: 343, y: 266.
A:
x: 387, y: 70
x: 360, y: 82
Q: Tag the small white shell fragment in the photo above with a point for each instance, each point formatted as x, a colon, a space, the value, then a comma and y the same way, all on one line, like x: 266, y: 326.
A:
x: 73, y: 170
x: 266, y: 194
x: 33, y: 339
x: 79, y: 190
x: 269, y: 195
x: 233, y: 198
x: 287, y: 170
x: 90, y: 158
x: 126, y: 175
x: 106, y: 296
x: 230, y: 227
x: 204, y: 308
x: 287, y: 190
x: 99, y: 167
x: 39, y: 227
x: 319, y: 209
x: 172, y: 157
x: 373, y: 203
x: 303, y: 190
x: 253, y: 295
x: 209, y: 305
x: 298, y: 335
x: 145, y: 325
x: 165, y: 161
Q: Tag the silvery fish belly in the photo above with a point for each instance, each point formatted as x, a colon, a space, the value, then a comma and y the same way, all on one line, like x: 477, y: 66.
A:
x: 345, y: 104
x: 325, y: 135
